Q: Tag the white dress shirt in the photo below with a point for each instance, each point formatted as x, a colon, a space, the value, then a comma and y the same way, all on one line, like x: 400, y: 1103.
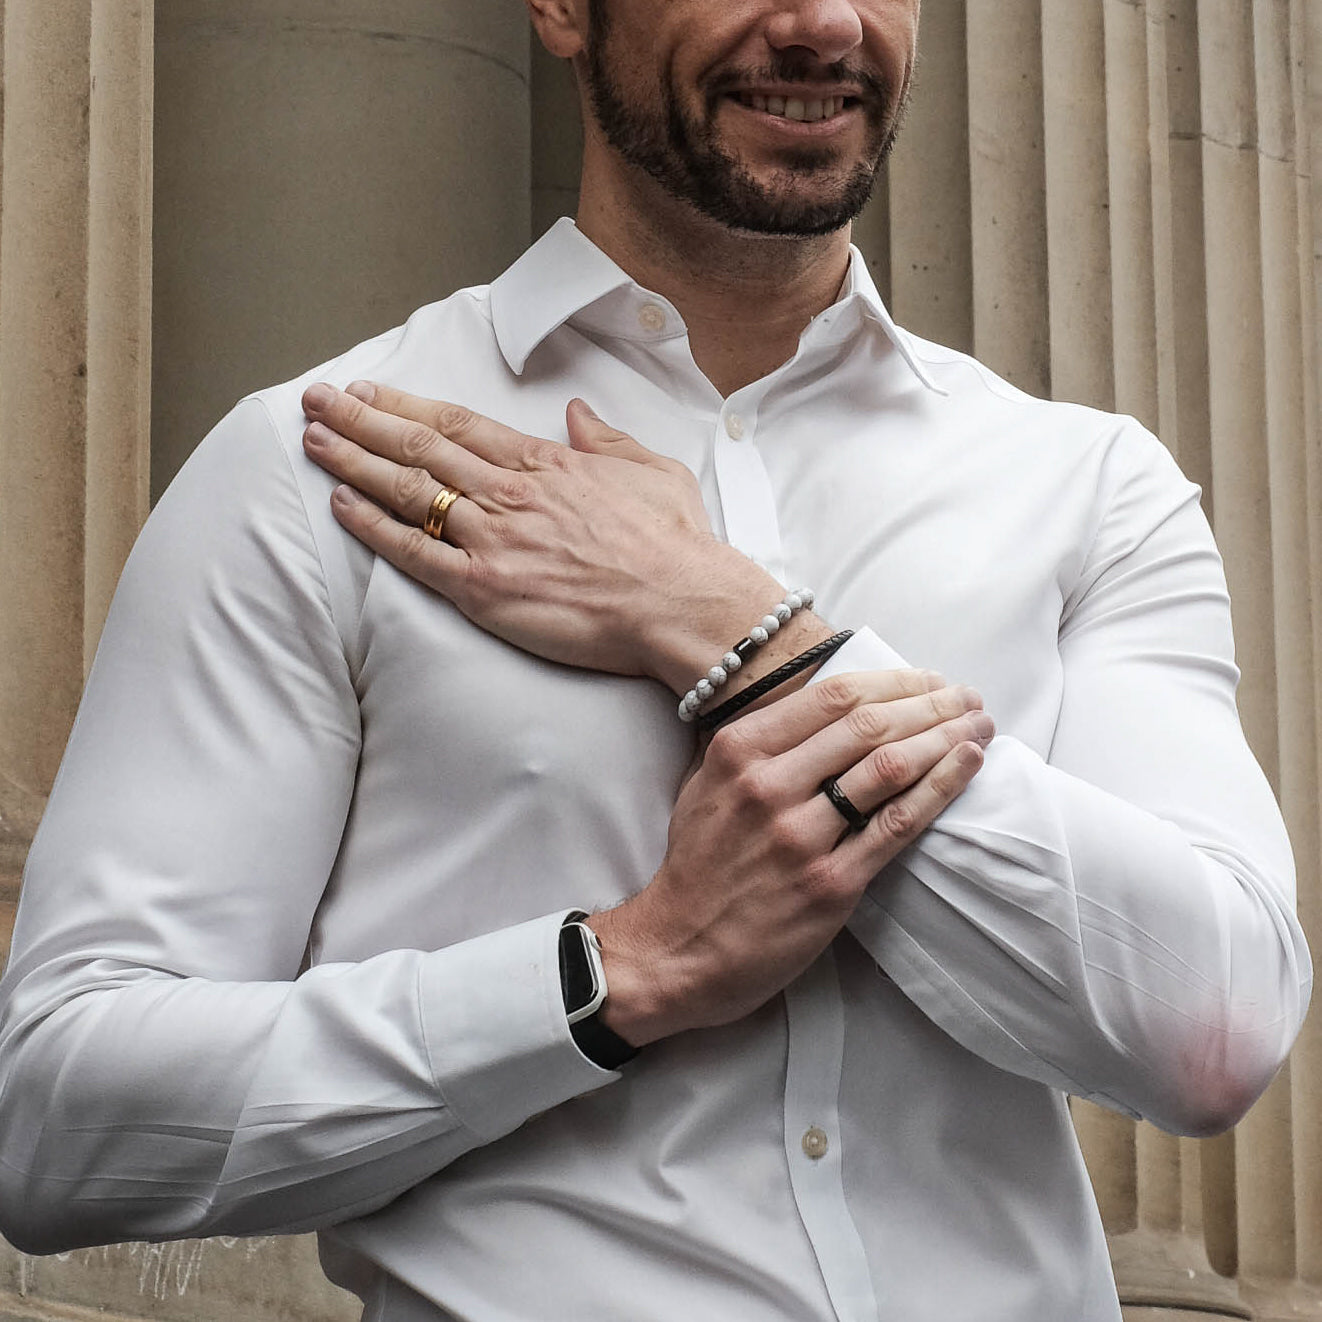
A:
x: 286, y: 954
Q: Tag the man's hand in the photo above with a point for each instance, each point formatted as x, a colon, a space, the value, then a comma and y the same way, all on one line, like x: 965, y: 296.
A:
x: 758, y: 877
x: 596, y: 554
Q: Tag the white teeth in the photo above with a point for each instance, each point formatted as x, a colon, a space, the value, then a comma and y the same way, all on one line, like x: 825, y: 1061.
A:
x: 796, y: 108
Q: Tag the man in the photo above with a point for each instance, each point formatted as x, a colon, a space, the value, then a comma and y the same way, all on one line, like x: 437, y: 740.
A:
x: 848, y: 1094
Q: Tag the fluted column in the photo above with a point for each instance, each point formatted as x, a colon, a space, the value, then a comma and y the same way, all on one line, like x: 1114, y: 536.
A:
x: 1143, y: 216
x: 74, y: 337
x: 930, y: 234
x: 323, y: 167
x: 1008, y: 190
x: 75, y: 294
x: 75, y: 280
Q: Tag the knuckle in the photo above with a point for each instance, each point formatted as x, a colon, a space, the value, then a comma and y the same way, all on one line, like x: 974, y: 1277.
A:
x: 958, y: 699
x: 414, y: 545
x: 728, y: 750
x: 453, y: 420
x: 840, y: 693
x: 513, y: 491
x: 415, y: 443
x: 892, y: 766
x: 479, y: 588
x: 825, y: 885
x: 755, y: 785
x: 412, y: 486
x: 549, y: 456
x: 354, y: 411
x: 898, y: 820
x: 868, y: 723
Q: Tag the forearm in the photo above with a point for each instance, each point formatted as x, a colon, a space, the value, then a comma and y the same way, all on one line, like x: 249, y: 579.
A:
x: 1114, y: 914
x: 1065, y: 934
x: 137, y: 1105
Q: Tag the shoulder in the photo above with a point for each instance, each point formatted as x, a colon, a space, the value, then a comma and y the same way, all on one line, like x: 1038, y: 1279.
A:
x: 1114, y: 447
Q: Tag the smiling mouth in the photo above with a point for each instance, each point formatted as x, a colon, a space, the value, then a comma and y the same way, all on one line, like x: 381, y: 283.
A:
x: 803, y: 110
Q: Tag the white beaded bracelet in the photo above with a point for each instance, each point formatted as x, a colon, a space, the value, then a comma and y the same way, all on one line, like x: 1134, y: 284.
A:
x: 758, y: 636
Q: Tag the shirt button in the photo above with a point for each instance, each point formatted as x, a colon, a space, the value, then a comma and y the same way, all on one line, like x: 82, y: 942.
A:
x: 652, y: 317
x: 815, y: 1143
x: 734, y: 427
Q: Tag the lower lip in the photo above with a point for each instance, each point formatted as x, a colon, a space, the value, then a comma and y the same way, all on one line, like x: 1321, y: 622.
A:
x: 817, y: 128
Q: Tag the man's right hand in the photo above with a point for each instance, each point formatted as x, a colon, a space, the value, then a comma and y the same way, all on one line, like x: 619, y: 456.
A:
x: 760, y: 873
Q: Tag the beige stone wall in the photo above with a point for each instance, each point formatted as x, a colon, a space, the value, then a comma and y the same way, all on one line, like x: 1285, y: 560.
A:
x: 1108, y: 200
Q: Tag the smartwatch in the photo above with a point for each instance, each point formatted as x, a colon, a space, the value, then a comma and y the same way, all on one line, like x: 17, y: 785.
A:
x: 583, y: 986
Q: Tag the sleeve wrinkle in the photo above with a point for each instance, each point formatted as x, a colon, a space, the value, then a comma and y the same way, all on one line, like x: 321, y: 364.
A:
x: 1116, y: 919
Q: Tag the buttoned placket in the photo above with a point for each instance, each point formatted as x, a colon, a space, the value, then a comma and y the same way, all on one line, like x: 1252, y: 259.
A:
x: 813, y: 1006
x: 746, y: 509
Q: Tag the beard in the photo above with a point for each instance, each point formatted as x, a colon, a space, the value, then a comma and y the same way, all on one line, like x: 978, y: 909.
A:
x: 810, y: 193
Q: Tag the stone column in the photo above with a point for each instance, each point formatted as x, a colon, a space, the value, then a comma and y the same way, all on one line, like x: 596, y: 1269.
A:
x: 1082, y: 340
x: 1278, y: 1205
x: 75, y: 281
x: 75, y: 294
x: 74, y: 336
x: 323, y: 168
x: 930, y: 232
x: 1008, y: 189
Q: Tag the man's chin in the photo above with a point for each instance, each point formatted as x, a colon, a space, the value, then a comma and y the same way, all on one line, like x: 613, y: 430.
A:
x: 799, y: 206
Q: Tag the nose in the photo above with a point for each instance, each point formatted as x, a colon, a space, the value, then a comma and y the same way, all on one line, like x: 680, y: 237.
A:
x: 829, y: 28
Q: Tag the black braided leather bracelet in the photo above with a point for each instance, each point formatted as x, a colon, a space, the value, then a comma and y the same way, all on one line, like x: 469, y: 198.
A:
x: 828, y: 647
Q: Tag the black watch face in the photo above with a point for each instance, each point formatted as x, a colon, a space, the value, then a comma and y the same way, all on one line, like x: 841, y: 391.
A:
x: 576, y: 983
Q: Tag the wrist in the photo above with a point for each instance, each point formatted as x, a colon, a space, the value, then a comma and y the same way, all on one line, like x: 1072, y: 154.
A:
x: 584, y: 988
x: 709, y: 615
x: 637, y: 1007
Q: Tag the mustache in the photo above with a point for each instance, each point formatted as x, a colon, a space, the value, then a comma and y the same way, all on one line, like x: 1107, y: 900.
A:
x: 798, y: 66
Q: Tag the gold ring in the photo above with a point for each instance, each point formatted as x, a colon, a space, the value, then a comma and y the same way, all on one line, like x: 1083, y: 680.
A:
x: 434, y: 523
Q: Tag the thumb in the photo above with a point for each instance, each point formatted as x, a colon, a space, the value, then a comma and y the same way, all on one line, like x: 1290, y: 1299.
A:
x: 590, y: 435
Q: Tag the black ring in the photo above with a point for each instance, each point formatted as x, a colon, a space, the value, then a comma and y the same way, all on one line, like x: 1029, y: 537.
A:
x: 842, y: 803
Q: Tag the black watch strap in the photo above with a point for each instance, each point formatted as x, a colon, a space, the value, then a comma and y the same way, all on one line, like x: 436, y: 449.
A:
x: 602, y: 1046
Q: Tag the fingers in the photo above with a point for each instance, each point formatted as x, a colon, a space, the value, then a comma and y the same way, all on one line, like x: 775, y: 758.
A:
x: 588, y: 433
x: 343, y: 431
x: 433, y: 562
x: 793, y: 720
x: 881, y: 748
x: 470, y: 431
x: 902, y: 819
x: 898, y: 729
x: 893, y: 767
x: 407, y: 492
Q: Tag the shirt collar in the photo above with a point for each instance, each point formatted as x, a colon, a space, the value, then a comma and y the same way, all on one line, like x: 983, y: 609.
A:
x: 860, y: 288
x: 564, y: 272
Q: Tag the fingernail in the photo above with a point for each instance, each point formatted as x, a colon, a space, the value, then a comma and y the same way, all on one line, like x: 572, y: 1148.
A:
x: 586, y: 408
x: 316, y: 437
x: 363, y: 390
x: 983, y: 727
x: 319, y: 396
x: 345, y: 497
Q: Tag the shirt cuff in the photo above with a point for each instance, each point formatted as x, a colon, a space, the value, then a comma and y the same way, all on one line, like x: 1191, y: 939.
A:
x: 493, y: 1020
x: 864, y: 651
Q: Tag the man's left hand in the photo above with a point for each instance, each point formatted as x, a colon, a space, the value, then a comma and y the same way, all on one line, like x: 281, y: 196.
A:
x: 596, y: 554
